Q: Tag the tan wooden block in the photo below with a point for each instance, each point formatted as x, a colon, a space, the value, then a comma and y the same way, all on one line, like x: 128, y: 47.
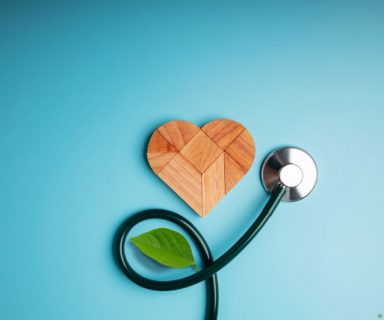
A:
x: 158, y: 161
x: 213, y: 182
x: 178, y: 133
x: 158, y: 144
x: 223, y: 131
x: 233, y: 172
x: 160, y: 151
x: 185, y: 180
x: 201, y: 166
x: 242, y: 150
x: 201, y: 151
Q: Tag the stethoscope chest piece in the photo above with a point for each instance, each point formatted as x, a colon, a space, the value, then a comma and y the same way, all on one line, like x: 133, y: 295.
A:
x: 292, y: 167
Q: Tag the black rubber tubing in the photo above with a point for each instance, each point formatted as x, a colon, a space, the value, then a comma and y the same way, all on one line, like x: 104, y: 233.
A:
x: 211, y: 266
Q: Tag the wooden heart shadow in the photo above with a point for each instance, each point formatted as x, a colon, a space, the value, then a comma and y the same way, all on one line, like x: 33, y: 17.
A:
x: 201, y: 164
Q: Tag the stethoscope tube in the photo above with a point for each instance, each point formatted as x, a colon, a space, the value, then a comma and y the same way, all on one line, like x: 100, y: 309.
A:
x: 211, y: 266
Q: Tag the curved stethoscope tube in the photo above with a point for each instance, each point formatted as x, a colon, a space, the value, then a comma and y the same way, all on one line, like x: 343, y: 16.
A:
x: 271, y: 168
x: 211, y: 266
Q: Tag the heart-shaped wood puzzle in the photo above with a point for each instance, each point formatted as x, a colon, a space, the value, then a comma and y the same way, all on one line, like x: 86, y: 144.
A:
x: 201, y: 164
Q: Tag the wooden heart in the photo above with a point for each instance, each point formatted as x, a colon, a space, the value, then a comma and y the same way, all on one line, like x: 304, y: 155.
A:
x: 201, y: 164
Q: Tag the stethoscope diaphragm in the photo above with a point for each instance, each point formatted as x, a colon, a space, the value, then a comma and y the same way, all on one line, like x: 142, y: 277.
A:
x: 292, y: 167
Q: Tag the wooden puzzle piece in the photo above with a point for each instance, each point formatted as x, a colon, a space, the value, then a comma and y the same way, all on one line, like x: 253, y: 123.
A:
x: 201, y: 164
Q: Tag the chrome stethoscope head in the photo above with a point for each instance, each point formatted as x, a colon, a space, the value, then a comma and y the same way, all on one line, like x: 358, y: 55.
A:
x: 292, y: 167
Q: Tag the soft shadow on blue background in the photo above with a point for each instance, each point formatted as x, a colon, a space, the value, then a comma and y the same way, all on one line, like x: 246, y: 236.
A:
x: 82, y: 86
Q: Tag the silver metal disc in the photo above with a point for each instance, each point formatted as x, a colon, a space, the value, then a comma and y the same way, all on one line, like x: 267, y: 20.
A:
x: 294, y: 168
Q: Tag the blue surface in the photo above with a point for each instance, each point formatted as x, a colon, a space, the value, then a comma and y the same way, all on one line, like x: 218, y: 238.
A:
x: 82, y: 86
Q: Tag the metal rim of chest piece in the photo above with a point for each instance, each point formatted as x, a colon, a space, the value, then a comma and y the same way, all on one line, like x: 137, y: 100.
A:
x: 294, y: 168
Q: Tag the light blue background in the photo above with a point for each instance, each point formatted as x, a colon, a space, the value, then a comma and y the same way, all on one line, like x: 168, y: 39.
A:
x: 82, y: 86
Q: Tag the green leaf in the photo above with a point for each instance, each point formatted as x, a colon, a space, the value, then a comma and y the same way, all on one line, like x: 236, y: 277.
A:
x: 167, y: 247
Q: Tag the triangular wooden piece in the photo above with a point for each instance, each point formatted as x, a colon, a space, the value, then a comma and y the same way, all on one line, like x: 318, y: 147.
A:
x: 213, y: 184
x: 223, y: 132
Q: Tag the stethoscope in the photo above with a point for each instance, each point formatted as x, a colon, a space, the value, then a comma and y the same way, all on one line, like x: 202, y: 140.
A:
x: 288, y: 173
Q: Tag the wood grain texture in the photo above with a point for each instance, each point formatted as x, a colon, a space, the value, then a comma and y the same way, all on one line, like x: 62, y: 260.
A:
x: 233, y: 172
x: 185, y: 180
x: 159, y: 160
x: 201, y: 165
x: 178, y: 133
x: 201, y: 151
x: 242, y: 150
x: 160, y: 151
x: 223, y: 132
x: 213, y: 182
